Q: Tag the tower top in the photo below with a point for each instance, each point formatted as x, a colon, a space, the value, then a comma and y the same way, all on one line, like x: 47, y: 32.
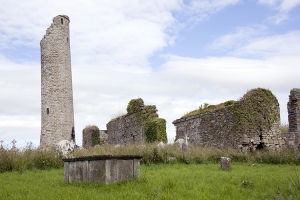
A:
x: 61, y: 20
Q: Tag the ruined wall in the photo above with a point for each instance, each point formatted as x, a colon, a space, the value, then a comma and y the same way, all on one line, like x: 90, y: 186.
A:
x: 234, y: 125
x: 56, y: 84
x: 125, y: 130
x: 293, y: 107
x: 92, y: 135
x: 140, y: 124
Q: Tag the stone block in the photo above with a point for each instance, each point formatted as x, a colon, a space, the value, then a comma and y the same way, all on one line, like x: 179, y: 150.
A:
x: 105, y: 168
x: 281, y: 142
x: 96, y: 171
x: 225, y: 163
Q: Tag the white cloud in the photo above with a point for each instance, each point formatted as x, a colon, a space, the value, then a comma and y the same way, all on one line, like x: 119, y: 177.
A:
x: 197, y: 11
x: 240, y: 37
x: 256, y: 42
x: 282, y: 6
x: 270, y: 3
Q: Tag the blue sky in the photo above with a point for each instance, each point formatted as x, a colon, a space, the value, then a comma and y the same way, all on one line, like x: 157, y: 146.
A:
x: 174, y: 54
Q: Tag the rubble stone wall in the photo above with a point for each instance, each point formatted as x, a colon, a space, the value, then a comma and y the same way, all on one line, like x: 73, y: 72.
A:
x: 125, y: 130
x: 293, y: 107
x: 57, y: 112
x: 219, y: 128
x: 141, y: 124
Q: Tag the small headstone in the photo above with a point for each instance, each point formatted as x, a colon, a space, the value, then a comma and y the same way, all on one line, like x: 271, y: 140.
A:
x: 225, y: 163
x: 180, y: 141
x: 161, y: 145
x: 185, y: 145
x: 171, y: 159
x: 65, y: 147
x: 14, y: 145
x: 117, y: 146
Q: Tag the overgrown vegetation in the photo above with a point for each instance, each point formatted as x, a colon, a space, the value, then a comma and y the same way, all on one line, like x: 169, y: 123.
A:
x: 33, y: 158
x: 255, y: 112
x: 196, y: 154
x: 147, y: 117
x: 208, y: 108
x: 284, y: 127
x: 29, y: 158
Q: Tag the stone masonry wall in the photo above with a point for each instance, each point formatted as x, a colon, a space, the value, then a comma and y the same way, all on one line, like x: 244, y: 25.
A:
x: 87, y: 136
x: 210, y: 128
x: 217, y: 128
x: 293, y: 107
x: 56, y: 84
x: 125, y: 130
x: 141, y: 124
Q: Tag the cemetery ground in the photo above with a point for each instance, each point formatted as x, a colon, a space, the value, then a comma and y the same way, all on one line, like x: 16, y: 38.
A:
x: 162, y: 181
x: 35, y: 174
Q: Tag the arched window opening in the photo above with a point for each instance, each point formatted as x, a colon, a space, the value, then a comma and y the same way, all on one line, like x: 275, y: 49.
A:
x: 62, y: 21
x: 47, y: 111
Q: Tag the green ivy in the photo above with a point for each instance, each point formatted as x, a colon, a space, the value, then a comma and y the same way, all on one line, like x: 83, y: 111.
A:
x: 155, y: 130
x: 208, y: 108
x: 256, y: 111
x: 95, y: 135
x: 147, y: 117
x: 135, y: 105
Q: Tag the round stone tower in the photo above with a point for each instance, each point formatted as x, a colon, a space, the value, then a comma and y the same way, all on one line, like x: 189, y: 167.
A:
x: 56, y: 82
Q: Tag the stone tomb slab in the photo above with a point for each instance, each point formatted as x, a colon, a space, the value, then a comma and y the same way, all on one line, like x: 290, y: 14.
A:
x: 103, y: 168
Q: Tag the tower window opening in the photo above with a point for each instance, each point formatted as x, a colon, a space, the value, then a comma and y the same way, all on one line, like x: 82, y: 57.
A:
x: 62, y: 21
x: 47, y: 111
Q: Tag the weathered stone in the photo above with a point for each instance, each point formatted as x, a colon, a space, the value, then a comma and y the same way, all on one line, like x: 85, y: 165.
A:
x: 104, y: 168
x: 90, y: 133
x: 171, y: 159
x: 161, y: 145
x: 56, y: 84
x: 293, y: 107
x: 219, y: 127
x: 179, y: 142
x: 132, y: 127
x: 65, y: 147
x: 225, y: 163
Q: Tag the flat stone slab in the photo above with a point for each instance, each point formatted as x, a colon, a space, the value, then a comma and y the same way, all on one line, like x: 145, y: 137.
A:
x: 105, y: 168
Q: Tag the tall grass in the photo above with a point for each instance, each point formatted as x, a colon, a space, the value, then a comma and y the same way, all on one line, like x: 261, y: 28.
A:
x: 34, y: 158
x: 29, y: 158
x: 196, y: 154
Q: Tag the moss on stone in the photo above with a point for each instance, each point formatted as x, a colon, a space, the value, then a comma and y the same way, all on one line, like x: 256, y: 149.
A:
x: 257, y: 110
x: 146, y: 116
x: 95, y: 134
x: 135, y: 105
x: 208, y: 108
x: 155, y: 130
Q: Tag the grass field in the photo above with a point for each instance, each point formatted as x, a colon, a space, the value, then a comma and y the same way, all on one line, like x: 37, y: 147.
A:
x: 163, y: 181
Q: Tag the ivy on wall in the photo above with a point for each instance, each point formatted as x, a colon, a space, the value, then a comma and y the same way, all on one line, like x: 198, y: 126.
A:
x: 256, y: 111
x: 146, y: 116
x: 95, y: 134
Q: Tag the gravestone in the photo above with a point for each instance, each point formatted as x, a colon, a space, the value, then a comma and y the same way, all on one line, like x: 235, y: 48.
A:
x: 225, y: 163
